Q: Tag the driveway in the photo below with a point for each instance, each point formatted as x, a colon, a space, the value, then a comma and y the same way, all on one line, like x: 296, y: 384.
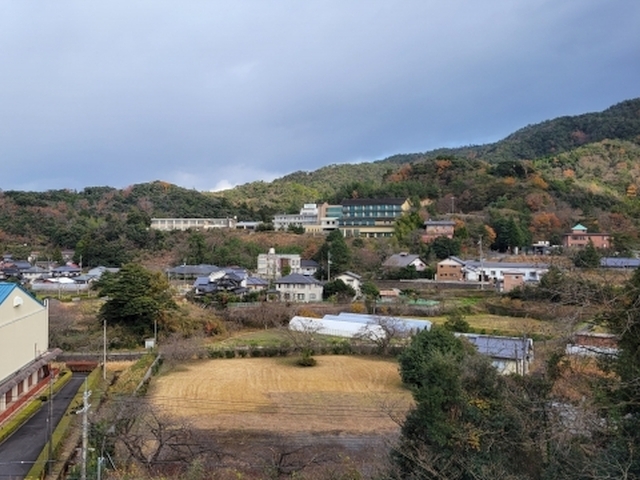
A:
x: 20, y: 451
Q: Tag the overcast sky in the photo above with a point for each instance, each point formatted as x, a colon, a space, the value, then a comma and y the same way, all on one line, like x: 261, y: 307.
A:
x: 211, y: 94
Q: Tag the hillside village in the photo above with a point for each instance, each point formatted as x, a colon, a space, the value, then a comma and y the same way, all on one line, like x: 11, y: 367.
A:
x: 488, y: 303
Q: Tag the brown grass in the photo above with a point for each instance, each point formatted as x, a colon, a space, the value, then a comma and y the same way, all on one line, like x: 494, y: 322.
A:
x: 339, y: 395
x: 505, y: 325
x: 119, y: 366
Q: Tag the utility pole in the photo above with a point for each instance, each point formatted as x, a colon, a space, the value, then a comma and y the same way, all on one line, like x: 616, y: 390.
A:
x: 481, y: 265
x: 104, y: 349
x: 328, y: 265
x: 85, y: 430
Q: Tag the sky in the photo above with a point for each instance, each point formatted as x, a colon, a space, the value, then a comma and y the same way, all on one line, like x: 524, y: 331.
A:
x: 212, y: 94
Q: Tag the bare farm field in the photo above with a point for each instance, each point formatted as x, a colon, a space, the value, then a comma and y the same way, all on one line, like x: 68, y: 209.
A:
x: 341, y: 395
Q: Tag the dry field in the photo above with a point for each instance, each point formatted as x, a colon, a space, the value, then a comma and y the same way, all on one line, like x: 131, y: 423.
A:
x: 340, y: 395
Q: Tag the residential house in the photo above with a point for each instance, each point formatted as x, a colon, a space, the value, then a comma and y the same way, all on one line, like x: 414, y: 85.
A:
x: 24, y: 347
x: 450, y: 269
x: 579, y: 238
x: 309, y: 267
x: 229, y: 280
x: 404, y: 260
x: 183, y: 272
x: 371, y: 217
x: 97, y: 272
x: 453, y: 268
x: 299, y: 288
x: 438, y: 228
x: 256, y: 284
x: 352, y: 279
x: 274, y: 265
x: 166, y: 224
x: 34, y: 273
x: 66, y: 271
x: 512, y: 279
x: 508, y: 354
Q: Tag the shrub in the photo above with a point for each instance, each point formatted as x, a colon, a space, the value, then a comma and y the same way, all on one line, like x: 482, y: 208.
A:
x: 307, y: 360
x: 255, y: 352
x: 358, y: 307
x: 342, y: 347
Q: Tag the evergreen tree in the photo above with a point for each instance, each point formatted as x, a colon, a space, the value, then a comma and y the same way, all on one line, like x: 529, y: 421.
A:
x: 444, y: 247
x: 469, y: 421
x: 336, y: 250
x: 339, y: 289
x: 137, y: 298
x: 588, y: 257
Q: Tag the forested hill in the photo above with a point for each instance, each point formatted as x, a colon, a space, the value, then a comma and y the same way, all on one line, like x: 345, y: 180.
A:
x: 544, y: 177
x: 334, y: 182
x: 621, y: 121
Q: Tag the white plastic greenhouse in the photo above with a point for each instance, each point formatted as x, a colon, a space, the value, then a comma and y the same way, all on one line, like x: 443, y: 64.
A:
x: 336, y: 328
x: 406, y: 324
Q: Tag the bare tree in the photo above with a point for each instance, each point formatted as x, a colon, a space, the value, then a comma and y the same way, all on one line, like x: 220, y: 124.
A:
x: 148, y: 438
x: 383, y: 331
x: 178, y: 348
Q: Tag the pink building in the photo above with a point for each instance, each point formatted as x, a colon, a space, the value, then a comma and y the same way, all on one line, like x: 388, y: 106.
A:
x: 579, y: 238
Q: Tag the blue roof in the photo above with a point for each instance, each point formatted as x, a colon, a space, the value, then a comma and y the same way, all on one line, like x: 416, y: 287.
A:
x: 7, y: 287
x: 198, y: 270
x: 619, y: 262
x: 5, y: 290
x: 298, y: 278
x: 579, y: 226
x: 500, y: 347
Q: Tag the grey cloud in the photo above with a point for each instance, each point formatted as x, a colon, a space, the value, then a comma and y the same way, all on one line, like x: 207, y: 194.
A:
x: 205, y: 94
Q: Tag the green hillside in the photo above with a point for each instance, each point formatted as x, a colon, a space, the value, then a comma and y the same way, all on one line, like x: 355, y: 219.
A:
x: 540, y: 180
x: 534, y: 142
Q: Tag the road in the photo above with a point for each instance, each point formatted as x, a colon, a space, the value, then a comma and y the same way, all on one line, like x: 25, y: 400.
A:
x: 19, y: 452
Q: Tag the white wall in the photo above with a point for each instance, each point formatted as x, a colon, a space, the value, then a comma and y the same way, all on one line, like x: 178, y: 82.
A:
x: 24, y: 331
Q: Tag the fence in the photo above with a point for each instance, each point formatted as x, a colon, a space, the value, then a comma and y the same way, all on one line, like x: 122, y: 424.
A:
x: 60, y: 287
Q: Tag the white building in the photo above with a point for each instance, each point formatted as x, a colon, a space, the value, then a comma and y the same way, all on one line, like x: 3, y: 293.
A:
x: 299, y: 288
x: 494, y: 273
x: 24, y: 347
x: 351, y: 279
x: 308, y: 215
x: 166, y: 224
x: 274, y: 265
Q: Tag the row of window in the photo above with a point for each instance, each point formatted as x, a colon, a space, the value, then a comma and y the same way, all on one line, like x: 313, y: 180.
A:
x: 299, y: 296
x: 372, y: 208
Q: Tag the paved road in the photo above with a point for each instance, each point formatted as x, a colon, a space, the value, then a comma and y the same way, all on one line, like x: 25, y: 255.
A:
x: 20, y: 451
